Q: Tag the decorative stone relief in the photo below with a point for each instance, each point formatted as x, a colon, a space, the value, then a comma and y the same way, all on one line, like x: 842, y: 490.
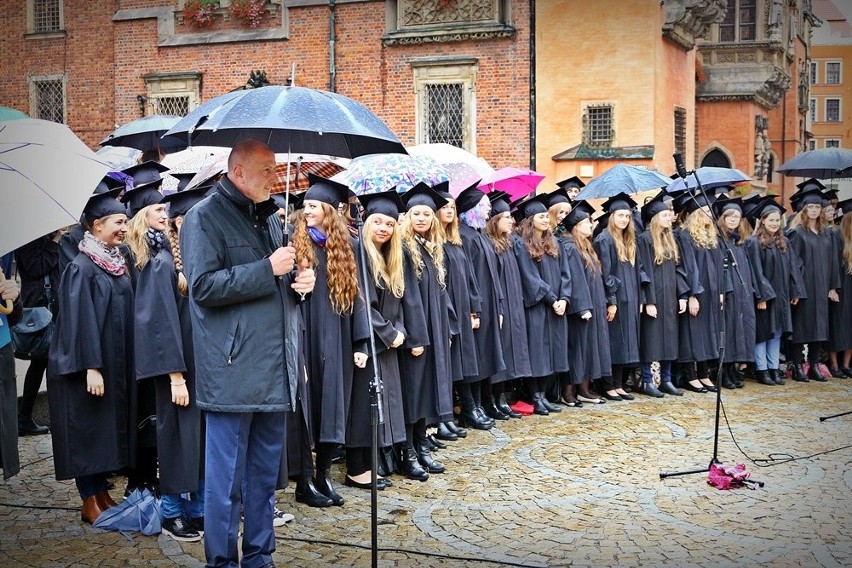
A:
x: 769, y: 95
x: 430, y: 12
x: 688, y: 20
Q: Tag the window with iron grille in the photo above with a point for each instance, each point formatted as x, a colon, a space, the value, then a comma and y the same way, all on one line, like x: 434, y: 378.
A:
x: 832, y: 73
x: 680, y: 130
x: 814, y: 73
x: 740, y: 23
x: 173, y: 106
x: 48, y: 99
x: 811, y: 144
x: 832, y: 143
x: 45, y: 16
x: 598, y: 125
x: 812, y: 106
x: 832, y: 110
x: 444, y: 112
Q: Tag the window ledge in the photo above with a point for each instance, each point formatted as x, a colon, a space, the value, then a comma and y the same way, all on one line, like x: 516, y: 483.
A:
x: 46, y: 35
x: 446, y: 34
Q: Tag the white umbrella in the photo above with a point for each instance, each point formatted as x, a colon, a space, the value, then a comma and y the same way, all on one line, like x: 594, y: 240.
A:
x: 47, y: 175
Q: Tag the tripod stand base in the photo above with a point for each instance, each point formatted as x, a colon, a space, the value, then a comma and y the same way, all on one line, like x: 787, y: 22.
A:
x: 664, y: 474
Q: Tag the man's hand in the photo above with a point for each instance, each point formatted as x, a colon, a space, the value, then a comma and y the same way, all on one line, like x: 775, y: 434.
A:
x: 282, y: 260
x: 305, y: 279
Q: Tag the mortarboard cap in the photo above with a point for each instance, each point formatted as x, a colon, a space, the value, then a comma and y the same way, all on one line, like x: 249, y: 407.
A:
x: 182, y: 201
x: 808, y: 196
x: 829, y: 194
x: 499, y: 203
x: 108, y: 183
x: 183, y: 180
x: 690, y: 201
x: 582, y: 210
x: 102, y: 205
x: 384, y: 203
x: 844, y: 207
x: 573, y: 181
x: 326, y: 190
x: 764, y: 206
x: 558, y: 196
x: 724, y: 203
x: 602, y: 223
x: 810, y: 183
x: 422, y: 194
x: 146, y: 173
x: 618, y: 202
x: 657, y: 204
x: 443, y: 189
x: 469, y: 198
x: 530, y: 205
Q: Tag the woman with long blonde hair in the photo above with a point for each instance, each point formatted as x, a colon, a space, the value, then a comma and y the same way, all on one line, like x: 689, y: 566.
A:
x: 814, y: 247
x: 546, y: 284
x: 780, y: 286
x: 335, y: 321
x: 616, y: 248
x: 427, y: 390
x: 665, y: 294
x: 840, y: 319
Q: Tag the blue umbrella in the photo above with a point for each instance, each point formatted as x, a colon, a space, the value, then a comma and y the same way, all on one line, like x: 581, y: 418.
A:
x: 710, y: 177
x: 7, y: 113
x: 145, y: 134
x: 289, y: 119
x: 140, y: 511
x: 621, y: 177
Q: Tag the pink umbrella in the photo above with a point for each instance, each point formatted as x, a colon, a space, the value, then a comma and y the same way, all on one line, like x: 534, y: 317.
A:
x: 516, y: 182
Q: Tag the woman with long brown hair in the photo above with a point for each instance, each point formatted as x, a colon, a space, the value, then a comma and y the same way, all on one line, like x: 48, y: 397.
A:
x: 335, y: 320
x: 781, y: 287
x: 546, y: 285
x: 814, y: 247
x: 840, y: 319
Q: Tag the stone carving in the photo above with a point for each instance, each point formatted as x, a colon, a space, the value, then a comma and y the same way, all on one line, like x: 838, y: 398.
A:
x: 430, y: 12
x: 769, y: 94
x: 688, y: 20
x: 775, y: 21
x: 762, y: 147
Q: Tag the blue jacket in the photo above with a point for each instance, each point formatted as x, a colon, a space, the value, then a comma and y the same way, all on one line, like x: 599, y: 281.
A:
x: 244, y: 319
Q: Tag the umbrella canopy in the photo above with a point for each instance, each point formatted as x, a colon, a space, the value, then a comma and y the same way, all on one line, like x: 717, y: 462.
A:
x: 825, y: 163
x: 517, y: 182
x: 119, y: 157
x: 7, y: 113
x: 289, y: 119
x: 462, y: 167
x: 626, y: 178
x: 710, y: 177
x: 382, y: 172
x: 145, y: 134
x: 47, y: 175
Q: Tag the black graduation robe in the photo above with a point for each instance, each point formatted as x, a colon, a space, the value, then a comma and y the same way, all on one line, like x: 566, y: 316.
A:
x: 388, y: 320
x: 779, y: 276
x: 658, y: 337
x: 463, y: 294
x: 820, y: 272
x: 840, y: 315
x: 588, y: 340
x: 622, y: 283
x: 332, y: 341
x: 698, y: 336
x: 94, y: 330
x: 483, y: 261
x: 163, y: 345
x: 739, y: 307
x: 513, y: 334
x: 544, y: 282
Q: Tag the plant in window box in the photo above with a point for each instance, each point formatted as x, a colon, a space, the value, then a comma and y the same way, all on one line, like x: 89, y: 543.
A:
x: 199, y: 13
x: 250, y: 12
x: 446, y: 4
x: 700, y: 74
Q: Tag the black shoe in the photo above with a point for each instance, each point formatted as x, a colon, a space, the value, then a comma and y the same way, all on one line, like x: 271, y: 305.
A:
x: 615, y: 396
x: 380, y: 483
x: 455, y: 429
x: 434, y: 443
x: 799, y: 374
x: 815, y: 375
x: 626, y: 396
x: 179, y: 530
x: 505, y: 408
x: 764, y: 377
x: 837, y: 373
x: 669, y: 388
x: 444, y: 433
x: 409, y: 465
x: 650, y: 390
x: 538, y: 404
x: 777, y: 376
x: 479, y: 411
x: 29, y: 427
x: 307, y: 493
x: 848, y: 372
x: 196, y: 524
x: 690, y: 387
x: 322, y: 481
x: 553, y: 408
x: 472, y: 420
x: 424, y: 456
x: 491, y: 410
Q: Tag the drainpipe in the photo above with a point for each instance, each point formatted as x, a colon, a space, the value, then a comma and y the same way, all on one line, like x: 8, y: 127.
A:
x: 532, y: 85
x: 783, y: 143
x: 332, y: 66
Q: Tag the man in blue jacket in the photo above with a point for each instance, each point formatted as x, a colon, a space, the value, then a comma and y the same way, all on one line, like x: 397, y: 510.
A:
x: 243, y: 301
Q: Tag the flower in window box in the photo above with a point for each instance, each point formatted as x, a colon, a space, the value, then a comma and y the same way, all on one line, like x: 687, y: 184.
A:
x: 200, y: 13
x: 250, y: 12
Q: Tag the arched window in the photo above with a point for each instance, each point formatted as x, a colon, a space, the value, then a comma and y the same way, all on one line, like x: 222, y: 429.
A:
x: 716, y: 158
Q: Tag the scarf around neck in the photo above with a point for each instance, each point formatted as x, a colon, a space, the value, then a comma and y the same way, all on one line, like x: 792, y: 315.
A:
x: 156, y: 241
x: 318, y: 237
x: 107, y: 257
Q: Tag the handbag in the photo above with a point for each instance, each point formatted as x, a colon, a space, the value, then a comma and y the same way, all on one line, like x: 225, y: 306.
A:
x: 31, y: 336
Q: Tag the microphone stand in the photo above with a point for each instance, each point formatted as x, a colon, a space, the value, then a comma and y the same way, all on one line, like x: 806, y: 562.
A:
x: 728, y: 261
x: 376, y: 391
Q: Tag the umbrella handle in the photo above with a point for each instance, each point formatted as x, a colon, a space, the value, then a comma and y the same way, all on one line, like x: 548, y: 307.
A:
x: 6, y: 308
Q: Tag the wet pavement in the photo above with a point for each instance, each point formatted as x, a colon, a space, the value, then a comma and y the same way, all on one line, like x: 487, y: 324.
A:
x: 579, y: 488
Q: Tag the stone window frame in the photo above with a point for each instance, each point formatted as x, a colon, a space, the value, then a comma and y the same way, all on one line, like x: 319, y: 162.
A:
x: 500, y: 27
x: 587, y: 127
x: 32, y: 33
x: 33, y: 80
x: 831, y: 143
x: 814, y: 74
x: 737, y: 25
x: 166, y: 85
x: 828, y: 74
x: 812, y: 144
x: 839, y: 109
x: 433, y: 71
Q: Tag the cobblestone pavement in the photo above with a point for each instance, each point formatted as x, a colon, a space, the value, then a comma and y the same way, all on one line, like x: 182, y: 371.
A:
x: 579, y: 488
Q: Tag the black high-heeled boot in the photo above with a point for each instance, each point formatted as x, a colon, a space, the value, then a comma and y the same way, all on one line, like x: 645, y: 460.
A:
x: 307, y: 493
x: 409, y: 465
x: 322, y: 481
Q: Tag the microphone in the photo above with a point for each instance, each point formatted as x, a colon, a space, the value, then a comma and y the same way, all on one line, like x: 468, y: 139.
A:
x: 681, y: 169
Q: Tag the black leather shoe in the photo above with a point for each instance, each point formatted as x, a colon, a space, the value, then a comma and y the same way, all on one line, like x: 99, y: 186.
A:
x: 424, y: 456
x: 29, y: 427
x: 444, y: 433
x: 455, y: 429
x: 179, y: 530
x: 538, y: 404
x: 409, y: 466
x: 480, y: 412
x: 196, y: 524
x: 626, y: 396
x: 668, y: 387
x: 434, y: 443
x: 688, y: 386
x: 799, y: 374
x: 472, y: 420
x: 837, y: 373
x: 815, y: 375
x: 650, y: 390
x: 505, y: 408
x: 553, y: 408
x: 491, y: 411
x: 616, y: 396
x: 777, y: 376
x: 848, y: 372
x: 322, y: 482
x: 307, y: 493
x: 764, y: 378
x: 380, y: 483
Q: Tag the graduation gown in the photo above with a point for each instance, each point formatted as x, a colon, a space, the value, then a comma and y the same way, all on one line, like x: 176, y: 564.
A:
x: 426, y: 380
x: 698, y: 336
x: 622, y: 284
x: 388, y: 320
x: 820, y: 273
x: 332, y: 341
x: 163, y: 345
x: 666, y: 285
x: 513, y: 334
x: 463, y: 293
x: 483, y: 262
x: 588, y: 340
x: 779, y: 278
x: 840, y: 315
x: 740, y: 297
x: 94, y: 330
x: 543, y: 282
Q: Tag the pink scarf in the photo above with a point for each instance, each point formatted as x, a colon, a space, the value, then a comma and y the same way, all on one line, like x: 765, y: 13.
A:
x: 107, y: 257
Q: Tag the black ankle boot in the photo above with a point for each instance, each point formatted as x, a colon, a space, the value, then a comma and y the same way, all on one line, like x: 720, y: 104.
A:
x: 471, y: 419
x: 29, y: 427
x: 799, y: 374
x: 491, y: 410
x: 409, y: 466
x: 538, y: 404
x: 505, y: 408
x: 552, y: 408
x: 424, y: 456
x: 307, y: 493
x: 764, y: 378
x: 322, y: 482
x: 445, y: 433
x: 455, y: 429
x: 814, y: 374
x: 777, y: 376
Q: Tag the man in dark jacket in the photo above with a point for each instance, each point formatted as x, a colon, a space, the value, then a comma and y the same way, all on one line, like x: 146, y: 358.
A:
x: 244, y: 323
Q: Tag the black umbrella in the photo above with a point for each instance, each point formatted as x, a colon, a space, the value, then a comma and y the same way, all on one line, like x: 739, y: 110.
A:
x: 145, y: 134
x: 288, y: 119
x: 825, y: 163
